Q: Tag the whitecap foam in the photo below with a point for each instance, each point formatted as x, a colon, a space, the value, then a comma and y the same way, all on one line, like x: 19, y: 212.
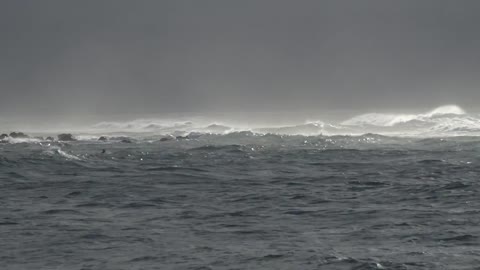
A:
x: 389, y: 120
x: 446, y: 110
x: 56, y: 150
x: 22, y: 140
x: 448, y: 120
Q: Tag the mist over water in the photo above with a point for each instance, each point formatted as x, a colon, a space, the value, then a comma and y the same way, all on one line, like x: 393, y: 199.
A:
x: 448, y: 120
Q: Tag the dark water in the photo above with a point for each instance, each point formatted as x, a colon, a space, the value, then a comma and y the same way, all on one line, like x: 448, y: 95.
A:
x: 242, y: 202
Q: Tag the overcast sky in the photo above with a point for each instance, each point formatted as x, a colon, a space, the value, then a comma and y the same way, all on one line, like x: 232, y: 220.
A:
x: 155, y: 57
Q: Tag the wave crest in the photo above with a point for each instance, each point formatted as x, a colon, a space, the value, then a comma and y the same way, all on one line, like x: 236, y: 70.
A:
x: 389, y: 120
x: 448, y: 120
x: 446, y: 110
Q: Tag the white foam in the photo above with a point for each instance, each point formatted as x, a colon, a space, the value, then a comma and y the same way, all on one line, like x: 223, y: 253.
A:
x: 22, y: 140
x: 446, y: 110
x: 449, y: 120
x: 56, y: 150
x: 379, y: 119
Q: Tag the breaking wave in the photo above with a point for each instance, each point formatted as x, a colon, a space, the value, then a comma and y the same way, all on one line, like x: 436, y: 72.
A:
x: 389, y: 120
x: 162, y: 126
x: 57, y: 151
x: 449, y: 120
x: 444, y: 121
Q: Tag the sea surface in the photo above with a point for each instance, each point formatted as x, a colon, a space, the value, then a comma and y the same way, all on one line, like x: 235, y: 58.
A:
x: 241, y: 200
x: 376, y: 191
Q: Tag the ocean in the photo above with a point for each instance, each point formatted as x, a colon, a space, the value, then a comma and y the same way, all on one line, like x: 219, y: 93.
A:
x: 405, y: 195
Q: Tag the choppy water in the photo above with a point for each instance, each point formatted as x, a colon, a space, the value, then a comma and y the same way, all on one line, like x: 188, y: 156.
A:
x: 241, y: 201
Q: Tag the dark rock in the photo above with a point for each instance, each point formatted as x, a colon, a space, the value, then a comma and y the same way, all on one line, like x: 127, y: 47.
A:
x: 181, y: 138
x: 66, y: 137
x: 3, y: 136
x: 49, y: 138
x: 122, y: 139
x: 194, y: 135
x: 167, y: 138
x: 39, y: 138
x: 20, y: 135
x: 119, y: 138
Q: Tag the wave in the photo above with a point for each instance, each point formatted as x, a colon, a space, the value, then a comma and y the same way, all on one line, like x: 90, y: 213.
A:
x: 160, y: 126
x: 389, y: 120
x: 307, y: 129
x: 57, y: 151
x: 443, y: 121
x: 21, y: 140
x: 449, y: 120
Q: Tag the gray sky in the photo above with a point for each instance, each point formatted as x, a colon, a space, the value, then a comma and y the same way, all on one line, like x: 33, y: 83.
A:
x: 153, y: 57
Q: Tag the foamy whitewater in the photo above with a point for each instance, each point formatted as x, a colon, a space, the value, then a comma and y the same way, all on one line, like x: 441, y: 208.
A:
x: 377, y: 191
x: 449, y: 120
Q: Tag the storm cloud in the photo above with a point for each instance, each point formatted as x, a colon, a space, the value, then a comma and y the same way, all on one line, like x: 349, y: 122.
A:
x: 153, y: 57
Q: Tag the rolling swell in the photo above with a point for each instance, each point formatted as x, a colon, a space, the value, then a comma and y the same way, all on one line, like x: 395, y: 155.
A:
x: 241, y: 200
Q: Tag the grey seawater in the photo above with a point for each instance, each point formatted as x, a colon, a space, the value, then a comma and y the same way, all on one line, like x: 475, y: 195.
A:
x: 242, y: 201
